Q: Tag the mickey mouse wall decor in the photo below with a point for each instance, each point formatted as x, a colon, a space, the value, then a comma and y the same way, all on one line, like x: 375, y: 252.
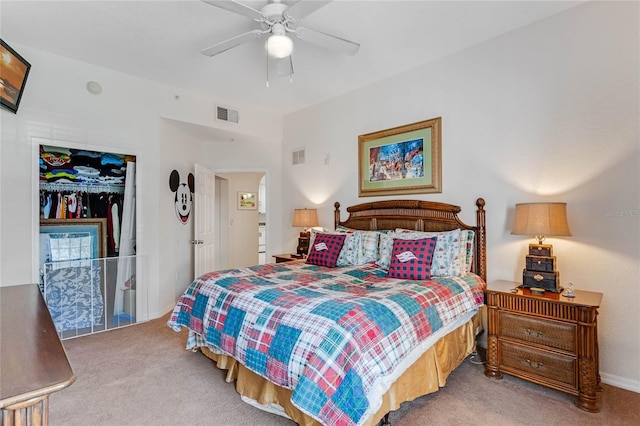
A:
x: 183, y: 199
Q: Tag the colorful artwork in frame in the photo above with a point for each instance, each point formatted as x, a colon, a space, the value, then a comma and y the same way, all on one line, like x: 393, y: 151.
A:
x: 247, y: 200
x: 402, y: 160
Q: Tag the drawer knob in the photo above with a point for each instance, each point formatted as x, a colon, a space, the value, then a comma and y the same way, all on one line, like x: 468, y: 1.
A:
x: 534, y: 364
x: 538, y: 277
x: 531, y: 333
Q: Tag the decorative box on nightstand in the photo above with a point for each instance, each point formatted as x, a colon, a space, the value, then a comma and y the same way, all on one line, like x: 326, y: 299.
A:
x: 547, y: 339
x: 540, y: 271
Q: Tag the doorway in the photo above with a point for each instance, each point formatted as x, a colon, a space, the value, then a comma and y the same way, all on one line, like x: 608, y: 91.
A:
x: 240, y: 228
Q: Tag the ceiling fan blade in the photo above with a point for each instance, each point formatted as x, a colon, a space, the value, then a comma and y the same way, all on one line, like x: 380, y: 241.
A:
x: 328, y: 41
x: 302, y: 8
x: 232, y: 42
x: 285, y: 66
x: 237, y: 7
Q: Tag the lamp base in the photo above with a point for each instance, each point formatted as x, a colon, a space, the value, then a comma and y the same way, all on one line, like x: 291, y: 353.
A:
x: 303, y: 243
x: 549, y: 281
x: 540, y: 249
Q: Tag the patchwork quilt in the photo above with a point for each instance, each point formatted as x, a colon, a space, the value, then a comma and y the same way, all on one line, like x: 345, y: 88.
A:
x: 328, y: 334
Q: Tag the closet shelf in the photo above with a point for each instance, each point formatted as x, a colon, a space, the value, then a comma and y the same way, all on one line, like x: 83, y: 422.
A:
x: 82, y: 187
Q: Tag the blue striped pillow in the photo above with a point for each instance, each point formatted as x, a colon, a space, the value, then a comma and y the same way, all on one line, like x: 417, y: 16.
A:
x: 411, y: 259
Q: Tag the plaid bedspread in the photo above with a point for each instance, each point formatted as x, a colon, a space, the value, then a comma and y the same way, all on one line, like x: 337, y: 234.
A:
x: 328, y: 334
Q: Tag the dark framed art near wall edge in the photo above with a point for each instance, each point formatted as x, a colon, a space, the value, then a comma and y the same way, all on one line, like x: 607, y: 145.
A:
x: 14, y: 70
x: 401, y: 160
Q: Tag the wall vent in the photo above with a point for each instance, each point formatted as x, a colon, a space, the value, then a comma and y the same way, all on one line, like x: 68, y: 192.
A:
x: 227, y: 114
x: 298, y: 157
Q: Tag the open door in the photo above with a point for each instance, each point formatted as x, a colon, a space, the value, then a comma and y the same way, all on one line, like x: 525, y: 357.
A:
x: 204, y: 218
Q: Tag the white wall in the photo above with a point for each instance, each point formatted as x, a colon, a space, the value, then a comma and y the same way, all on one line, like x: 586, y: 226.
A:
x: 181, y: 146
x: 548, y: 112
x: 126, y: 117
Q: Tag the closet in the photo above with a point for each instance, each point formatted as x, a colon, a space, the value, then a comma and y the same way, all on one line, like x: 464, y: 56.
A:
x: 87, y: 238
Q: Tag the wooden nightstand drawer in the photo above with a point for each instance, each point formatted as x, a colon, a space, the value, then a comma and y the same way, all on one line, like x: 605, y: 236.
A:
x: 537, y: 362
x: 554, y: 334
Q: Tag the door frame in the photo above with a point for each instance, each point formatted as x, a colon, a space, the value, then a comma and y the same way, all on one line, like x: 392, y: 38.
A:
x: 267, y: 173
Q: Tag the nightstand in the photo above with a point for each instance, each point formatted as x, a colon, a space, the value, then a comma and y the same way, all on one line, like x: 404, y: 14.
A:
x: 287, y: 257
x: 547, y: 339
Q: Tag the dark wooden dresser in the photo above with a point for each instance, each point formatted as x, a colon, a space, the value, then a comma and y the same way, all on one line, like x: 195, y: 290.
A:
x: 547, y: 339
x: 33, y: 363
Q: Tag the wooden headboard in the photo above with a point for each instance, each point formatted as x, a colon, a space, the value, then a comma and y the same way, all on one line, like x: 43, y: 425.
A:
x: 420, y: 216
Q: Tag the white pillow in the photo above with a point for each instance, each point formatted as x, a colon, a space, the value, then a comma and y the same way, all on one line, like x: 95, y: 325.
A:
x: 370, y: 242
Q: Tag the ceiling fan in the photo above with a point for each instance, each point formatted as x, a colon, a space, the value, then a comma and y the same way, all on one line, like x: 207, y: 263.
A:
x: 279, y: 19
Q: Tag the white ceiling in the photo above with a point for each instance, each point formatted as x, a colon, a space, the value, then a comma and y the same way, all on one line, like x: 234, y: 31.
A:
x: 162, y: 40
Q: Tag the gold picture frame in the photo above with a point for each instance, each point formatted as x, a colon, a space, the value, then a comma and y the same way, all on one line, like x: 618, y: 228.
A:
x: 401, y: 160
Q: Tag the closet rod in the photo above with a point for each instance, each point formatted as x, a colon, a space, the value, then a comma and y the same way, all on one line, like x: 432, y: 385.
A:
x: 80, y: 187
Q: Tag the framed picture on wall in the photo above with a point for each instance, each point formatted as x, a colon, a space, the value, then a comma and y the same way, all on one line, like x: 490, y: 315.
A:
x: 402, y: 160
x: 14, y: 70
x: 247, y: 200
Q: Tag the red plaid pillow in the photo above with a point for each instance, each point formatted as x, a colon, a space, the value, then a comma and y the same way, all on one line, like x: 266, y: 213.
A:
x: 326, y: 249
x: 411, y: 259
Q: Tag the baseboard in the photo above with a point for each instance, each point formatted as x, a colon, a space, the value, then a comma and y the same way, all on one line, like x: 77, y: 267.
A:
x: 162, y: 312
x: 620, y: 382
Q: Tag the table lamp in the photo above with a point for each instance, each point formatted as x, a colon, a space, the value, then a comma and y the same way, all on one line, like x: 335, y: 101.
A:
x: 541, y: 220
x: 304, y: 218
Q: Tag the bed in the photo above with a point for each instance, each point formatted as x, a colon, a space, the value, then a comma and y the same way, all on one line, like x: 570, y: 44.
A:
x: 347, y: 344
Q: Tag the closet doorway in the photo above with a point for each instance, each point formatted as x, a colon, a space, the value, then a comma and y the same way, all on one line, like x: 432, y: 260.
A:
x: 87, y: 237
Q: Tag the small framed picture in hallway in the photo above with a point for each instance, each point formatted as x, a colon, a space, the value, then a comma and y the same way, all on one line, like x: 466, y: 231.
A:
x: 247, y: 200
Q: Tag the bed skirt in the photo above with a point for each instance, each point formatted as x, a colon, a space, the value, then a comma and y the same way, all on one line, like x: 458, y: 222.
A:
x: 425, y: 376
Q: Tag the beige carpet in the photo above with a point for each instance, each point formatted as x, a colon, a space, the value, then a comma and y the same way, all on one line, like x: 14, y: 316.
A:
x: 141, y: 375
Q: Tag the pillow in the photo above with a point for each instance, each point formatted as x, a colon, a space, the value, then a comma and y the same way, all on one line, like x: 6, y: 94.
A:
x: 351, y: 253
x: 326, y: 249
x: 411, y: 259
x: 385, y: 249
x: 370, y: 242
x: 312, y: 235
x: 466, y: 250
x: 446, y: 256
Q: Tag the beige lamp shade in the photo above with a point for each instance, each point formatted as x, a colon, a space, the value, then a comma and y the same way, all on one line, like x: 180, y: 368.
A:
x: 541, y: 220
x: 305, y: 218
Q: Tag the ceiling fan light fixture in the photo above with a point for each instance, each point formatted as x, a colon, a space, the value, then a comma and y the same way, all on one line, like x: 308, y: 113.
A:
x: 279, y: 46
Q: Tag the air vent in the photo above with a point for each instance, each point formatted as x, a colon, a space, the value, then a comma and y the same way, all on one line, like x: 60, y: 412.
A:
x: 298, y: 157
x: 227, y: 114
